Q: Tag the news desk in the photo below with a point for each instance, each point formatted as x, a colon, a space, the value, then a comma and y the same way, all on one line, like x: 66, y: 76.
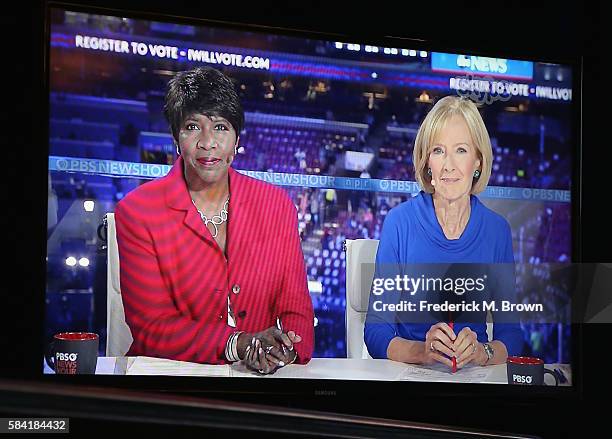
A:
x: 319, y: 368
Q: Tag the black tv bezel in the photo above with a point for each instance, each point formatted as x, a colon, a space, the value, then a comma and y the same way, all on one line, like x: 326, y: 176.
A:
x: 319, y: 389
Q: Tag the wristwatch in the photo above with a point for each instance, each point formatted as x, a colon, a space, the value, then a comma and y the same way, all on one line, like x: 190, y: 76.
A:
x: 489, y: 351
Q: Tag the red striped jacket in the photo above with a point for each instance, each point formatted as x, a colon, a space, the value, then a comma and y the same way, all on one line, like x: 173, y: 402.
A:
x: 175, y: 280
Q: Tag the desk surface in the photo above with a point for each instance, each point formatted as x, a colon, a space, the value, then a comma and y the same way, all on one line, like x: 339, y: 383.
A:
x: 318, y: 368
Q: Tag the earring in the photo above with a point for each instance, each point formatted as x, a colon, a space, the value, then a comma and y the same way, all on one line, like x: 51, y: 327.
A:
x: 178, y: 151
x: 429, y: 171
x: 476, y: 173
x: 235, y: 150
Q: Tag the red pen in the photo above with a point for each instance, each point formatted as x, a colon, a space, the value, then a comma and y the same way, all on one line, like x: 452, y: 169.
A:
x: 454, y: 359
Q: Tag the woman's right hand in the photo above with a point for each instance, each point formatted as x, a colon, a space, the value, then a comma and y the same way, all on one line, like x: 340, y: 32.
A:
x: 438, y: 345
x: 252, y: 349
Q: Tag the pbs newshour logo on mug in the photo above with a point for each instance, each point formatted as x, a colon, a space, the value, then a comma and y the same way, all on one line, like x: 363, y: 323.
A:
x: 67, y: 357
x: 66, y: 363
x: 522, y: 379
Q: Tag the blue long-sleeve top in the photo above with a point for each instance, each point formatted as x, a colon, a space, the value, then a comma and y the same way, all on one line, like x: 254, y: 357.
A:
x: 411, y: 234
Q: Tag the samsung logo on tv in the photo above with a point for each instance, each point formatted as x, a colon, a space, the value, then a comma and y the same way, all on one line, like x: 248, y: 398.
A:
x: 325, y: 393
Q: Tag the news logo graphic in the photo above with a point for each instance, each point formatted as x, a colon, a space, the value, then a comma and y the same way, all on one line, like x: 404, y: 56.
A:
x: 522, y: 379
x: 66, y: 363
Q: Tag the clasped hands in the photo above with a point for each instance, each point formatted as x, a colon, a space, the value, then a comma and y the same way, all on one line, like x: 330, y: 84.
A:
x: 267, y: 350
x: 442, y: 344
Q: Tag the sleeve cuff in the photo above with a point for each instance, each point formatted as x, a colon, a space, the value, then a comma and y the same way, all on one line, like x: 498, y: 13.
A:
x: 378, y: 344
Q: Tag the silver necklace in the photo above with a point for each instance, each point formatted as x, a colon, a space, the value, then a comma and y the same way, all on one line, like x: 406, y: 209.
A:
x: 216, y: 220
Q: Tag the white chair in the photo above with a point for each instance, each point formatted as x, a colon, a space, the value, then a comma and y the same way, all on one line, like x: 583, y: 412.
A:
x: 358, y: 284
x: 118, y: 334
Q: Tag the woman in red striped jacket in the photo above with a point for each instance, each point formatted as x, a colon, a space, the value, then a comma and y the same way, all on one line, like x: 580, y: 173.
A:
x: 212, y: 270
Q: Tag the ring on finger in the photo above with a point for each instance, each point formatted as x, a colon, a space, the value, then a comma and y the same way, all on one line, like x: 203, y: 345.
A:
x: 268, y: 349
x: 431, y: 347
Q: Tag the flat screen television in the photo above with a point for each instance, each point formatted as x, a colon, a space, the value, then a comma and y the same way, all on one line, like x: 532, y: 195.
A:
x: 332, y: 122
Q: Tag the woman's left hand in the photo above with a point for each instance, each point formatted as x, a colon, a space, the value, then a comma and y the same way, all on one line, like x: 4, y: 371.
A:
x: 271, y: 349
x: 467, y: 348
x: 255, y: 358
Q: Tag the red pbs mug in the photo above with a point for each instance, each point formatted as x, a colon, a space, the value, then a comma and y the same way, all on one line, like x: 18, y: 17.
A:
x: 73, y: 353
x: 528, y: 371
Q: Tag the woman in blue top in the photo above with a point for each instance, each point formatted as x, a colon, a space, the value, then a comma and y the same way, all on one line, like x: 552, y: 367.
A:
x: 446, y: 223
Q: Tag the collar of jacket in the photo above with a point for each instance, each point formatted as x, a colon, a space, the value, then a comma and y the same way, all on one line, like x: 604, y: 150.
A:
x: 177, y: 198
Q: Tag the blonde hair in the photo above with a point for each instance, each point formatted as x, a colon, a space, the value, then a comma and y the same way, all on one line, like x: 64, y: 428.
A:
x: 434, y: 122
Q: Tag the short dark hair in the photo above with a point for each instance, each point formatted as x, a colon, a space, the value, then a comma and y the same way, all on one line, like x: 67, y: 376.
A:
x: 202, y: 90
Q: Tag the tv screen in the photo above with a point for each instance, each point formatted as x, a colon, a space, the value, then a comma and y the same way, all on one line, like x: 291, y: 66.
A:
x: 362, y: 168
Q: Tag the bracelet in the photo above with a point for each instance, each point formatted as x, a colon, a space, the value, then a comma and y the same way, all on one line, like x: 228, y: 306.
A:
x: 231, y: 347
x: 489, y: 351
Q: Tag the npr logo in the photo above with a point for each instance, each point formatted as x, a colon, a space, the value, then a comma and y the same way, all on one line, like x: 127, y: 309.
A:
x: 522, y: 379
x: 61, y: 356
